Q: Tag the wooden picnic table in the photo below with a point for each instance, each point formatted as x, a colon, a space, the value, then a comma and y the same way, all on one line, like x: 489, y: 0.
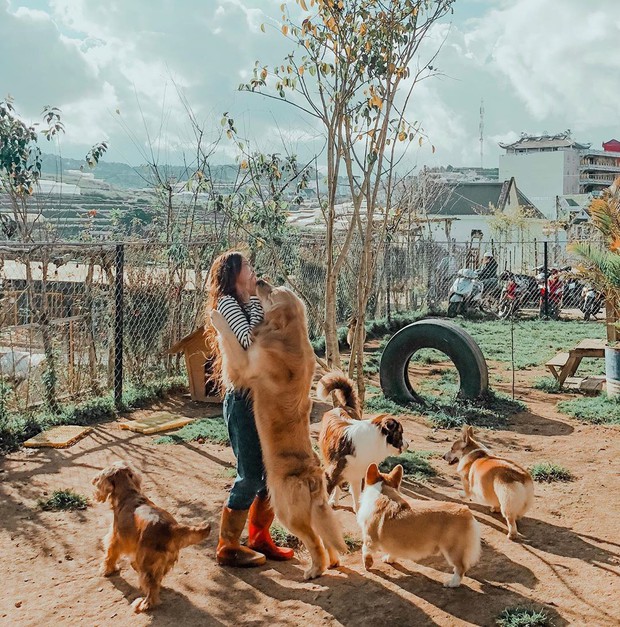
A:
x: 564, y: 365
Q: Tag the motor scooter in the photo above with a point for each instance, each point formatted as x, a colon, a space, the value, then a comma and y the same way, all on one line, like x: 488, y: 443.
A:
x: 465, y: 293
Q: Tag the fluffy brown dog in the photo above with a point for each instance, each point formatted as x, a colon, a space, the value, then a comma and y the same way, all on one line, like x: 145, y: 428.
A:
x: 278, y: 368
x: 149, y: 535
x: 489, y: 480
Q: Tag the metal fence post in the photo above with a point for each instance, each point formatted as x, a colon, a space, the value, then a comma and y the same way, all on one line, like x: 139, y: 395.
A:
x: 546, y: 271
x: 119, y: 271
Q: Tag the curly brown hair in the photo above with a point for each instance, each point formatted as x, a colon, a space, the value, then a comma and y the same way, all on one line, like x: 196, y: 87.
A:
x: 222, y: 281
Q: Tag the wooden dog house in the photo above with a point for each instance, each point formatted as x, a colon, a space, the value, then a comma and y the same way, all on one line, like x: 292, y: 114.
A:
x: 197, y: 357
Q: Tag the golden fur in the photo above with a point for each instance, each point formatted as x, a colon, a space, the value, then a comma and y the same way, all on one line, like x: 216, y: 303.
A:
x: 278, y: 368
x: 414, y: 529
x: 148, y: 534
x: 499, y: 483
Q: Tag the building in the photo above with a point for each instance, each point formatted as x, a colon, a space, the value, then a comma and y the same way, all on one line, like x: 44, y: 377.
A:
x: 551, y: 166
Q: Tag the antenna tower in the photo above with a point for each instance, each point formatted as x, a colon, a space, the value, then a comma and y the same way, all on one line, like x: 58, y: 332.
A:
x: 481, y: 128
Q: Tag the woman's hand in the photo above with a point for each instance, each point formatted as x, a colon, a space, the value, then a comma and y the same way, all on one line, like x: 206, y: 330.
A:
x: 252, y: 284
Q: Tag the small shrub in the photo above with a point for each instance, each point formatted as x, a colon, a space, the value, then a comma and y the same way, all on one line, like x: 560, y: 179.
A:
x: 62, y: 500
x: 547, y: 384
x: 596, y: 410
x: 414, y: 463
x: 207, y: 430
x: 523, y: 617
x: 549, y: 472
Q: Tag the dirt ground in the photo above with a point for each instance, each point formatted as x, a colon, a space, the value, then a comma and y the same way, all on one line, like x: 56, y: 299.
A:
x: 568, y: 562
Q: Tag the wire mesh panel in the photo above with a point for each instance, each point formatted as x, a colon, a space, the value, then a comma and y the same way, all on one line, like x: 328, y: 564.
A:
x: 80, y: 320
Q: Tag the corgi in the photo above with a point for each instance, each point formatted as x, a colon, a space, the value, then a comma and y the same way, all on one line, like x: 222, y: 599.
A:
x: 348, y: 444
x: 489, y: 480
x: 413, y: 529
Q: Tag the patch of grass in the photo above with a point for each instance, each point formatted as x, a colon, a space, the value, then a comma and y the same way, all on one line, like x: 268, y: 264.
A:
x: 415, y: 464
x: 523, y: 617
x: 490, y: 411
x: 549, y: 472
x: 63, y: 500
x: 429, y: 356
x: 596, y: 410
x: 536, y: 341
x: 547, y: 384
x: 206, y: 430
x: 283, y: 538
x: 353, y: 543
x: 381, y: 405
x: 16, y: 428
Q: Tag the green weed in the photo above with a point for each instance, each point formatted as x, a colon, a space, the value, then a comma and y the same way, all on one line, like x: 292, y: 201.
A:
x: 63, y: 500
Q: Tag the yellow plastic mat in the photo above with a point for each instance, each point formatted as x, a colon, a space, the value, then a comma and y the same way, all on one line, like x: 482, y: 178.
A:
x: 58, y: 437
x: 161, y: 421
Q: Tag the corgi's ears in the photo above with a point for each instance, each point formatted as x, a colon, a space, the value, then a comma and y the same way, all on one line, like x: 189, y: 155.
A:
x: 467, y: 433
x: 396, y: 476
x: 372, y: 475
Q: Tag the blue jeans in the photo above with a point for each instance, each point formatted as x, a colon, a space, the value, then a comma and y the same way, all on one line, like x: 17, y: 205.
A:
x: 250, y: 481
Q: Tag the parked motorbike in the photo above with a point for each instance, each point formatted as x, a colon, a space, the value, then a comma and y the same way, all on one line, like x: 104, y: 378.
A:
x: 513, y: 294
x: 572, y: 295
x: 592, y: 302
x: 550, y: 307
x: 465, y: 293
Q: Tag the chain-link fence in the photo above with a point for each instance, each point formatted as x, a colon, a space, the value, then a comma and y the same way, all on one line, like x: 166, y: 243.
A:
x: 79, y: 320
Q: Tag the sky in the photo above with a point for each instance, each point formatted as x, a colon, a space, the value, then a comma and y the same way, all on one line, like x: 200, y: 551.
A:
x: 120, y: 70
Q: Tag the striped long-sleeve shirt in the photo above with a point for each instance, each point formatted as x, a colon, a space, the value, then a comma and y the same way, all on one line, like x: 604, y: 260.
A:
x: 241, y: 319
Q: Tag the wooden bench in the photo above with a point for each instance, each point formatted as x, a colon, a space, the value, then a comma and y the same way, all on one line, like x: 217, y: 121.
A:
x: 564, y: 365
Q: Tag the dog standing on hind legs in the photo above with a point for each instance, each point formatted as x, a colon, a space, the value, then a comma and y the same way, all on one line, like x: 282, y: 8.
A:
x: 499, y: 483
x: 147, y: 534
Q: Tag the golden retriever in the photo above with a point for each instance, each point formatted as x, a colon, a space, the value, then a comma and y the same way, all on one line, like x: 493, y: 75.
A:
x: 278, y: 368
x: 148, y: 534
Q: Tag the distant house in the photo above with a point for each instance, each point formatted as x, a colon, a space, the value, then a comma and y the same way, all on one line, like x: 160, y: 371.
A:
x: 495, y: 215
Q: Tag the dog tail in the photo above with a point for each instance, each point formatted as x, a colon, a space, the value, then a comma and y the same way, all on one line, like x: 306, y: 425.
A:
x: 344, y: 391
x: 186, y: 536
x: 473, y: 548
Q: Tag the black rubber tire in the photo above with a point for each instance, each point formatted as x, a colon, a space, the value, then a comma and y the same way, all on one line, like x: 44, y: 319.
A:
x: 441, y: 335
x: 453, y: 309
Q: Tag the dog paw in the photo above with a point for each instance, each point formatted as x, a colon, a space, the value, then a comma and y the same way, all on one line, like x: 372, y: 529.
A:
x: 218, y: 320
x: 368, y: 562
x: 335, y: 563
x: 453, y: 582
x: 388, y: 559
x: 141, y: 604
x: 312, y: 572
x: 110, y: 572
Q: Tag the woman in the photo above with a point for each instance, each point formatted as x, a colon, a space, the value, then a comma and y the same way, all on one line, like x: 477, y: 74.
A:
x: 232, y: 291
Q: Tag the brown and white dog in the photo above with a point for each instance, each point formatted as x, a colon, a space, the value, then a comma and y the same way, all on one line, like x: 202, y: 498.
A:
x: 278, y: 368
x: 413, y: 529
x: 489, y: 480
x: 348, y: 444
x: 148, y: 534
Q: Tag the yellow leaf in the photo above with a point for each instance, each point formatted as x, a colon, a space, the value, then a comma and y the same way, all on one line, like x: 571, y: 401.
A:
x: 262, y: 27
x: 402, y: 136
x: 263, y: 74
x: 244, y: 165
x: 301, y: 70
x: 433, y: 148
x: 284, y: 29
x: 420, y: 141
x: 303, y: 5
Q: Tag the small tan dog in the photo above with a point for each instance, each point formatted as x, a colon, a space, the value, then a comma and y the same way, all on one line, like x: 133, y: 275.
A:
x: 489, y: 480
x: 415, y: 529
x: 148, y: 534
